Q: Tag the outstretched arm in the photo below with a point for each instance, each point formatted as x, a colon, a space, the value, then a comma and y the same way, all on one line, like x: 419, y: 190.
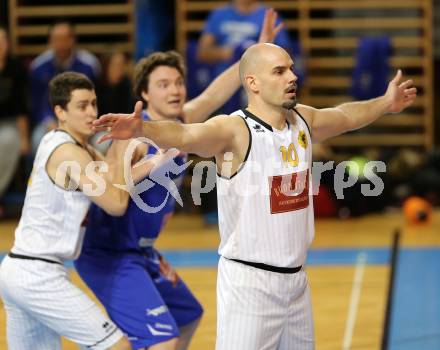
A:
x: 329, y: 122
x: 207, y: 139
x: 224, y: 86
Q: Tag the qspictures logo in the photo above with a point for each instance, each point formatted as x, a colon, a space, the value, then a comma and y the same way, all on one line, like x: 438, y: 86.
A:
x: 168, y: 167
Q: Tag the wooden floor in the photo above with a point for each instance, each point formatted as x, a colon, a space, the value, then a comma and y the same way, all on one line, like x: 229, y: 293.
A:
x: 332, y: 285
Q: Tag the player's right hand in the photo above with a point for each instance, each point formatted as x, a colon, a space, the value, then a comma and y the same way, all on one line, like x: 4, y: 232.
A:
x: 120, y: 126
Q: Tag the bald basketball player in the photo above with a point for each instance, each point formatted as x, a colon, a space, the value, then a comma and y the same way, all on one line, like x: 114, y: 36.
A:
x: 119, y: 261
x: 264, y: 159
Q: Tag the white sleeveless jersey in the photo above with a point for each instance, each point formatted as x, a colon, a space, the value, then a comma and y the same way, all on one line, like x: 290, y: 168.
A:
x: 50, y: 224
x: 265, y: 209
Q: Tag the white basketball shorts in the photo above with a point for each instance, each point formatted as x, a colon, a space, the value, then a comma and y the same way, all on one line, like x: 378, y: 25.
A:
x: 258, y: 309
x: 42, y: 304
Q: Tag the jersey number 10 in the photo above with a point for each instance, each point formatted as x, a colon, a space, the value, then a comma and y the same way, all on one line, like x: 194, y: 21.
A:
x: 289, y: 155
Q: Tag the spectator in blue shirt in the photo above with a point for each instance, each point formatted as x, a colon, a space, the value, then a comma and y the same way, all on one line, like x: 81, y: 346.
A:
x: 61, y: 56
x: 229, y: 30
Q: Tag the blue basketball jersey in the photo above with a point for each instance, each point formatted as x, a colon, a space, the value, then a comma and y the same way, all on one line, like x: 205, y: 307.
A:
x: 136, y: 229
x: 120, y: 266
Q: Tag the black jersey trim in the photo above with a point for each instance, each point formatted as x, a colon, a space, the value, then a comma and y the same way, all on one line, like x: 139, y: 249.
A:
x: 68, y: 133
x: 246, y: 156
x: 45, y: 166
x: 258, y: 120
x: 307, y: 124
x: 76, y: 143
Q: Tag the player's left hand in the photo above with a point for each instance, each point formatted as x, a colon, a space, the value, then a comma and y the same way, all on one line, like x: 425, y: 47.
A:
x: 400, y: 95
x: 270, y: 30
x: 167, y: 271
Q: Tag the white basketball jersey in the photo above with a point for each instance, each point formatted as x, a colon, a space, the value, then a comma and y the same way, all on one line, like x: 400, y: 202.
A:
x: 266, y: 209
x: 50, y: 224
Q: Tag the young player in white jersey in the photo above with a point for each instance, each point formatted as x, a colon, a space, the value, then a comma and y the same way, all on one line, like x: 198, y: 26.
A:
x: 263, y: 159
x: 41, y: 302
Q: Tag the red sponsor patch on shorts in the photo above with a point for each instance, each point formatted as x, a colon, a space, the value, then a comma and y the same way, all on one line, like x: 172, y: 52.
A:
x: 289, y: 192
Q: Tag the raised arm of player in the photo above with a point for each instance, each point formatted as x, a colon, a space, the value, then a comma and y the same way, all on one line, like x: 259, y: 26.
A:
x: 215, y: 136
x: 224, y: 86
x: 329, y: 122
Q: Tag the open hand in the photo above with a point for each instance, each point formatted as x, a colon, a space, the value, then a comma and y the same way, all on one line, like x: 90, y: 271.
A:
x: 120, y: 126
x: 270, y: 30
x: 400, y: 95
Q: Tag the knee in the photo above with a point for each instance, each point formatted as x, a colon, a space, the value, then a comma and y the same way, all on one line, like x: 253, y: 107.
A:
x: 191, y: 327
x: 186, y: 334
x: 171, y: 344
x: 168, y: 345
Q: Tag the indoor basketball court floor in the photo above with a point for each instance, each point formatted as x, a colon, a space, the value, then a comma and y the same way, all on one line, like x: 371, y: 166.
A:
x: 349, y: 271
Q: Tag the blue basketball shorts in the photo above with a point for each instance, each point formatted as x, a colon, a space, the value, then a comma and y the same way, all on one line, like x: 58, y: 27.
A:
x: 140, y: 301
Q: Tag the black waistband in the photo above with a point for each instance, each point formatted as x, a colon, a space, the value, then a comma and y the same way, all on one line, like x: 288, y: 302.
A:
x: 25, y: 257
x: 269, y: 267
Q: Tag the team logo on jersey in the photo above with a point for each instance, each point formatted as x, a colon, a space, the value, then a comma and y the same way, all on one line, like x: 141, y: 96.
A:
x: 289, y: 192
x: 302, y: 139
x: 155, y: 332
x: 157, y: 311
x: 163, y: 326
x: 258, y: 128
x: 108, y: 327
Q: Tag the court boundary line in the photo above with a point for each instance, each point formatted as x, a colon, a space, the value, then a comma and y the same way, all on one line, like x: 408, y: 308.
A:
x: 354, y: 300
x: 391, y: 286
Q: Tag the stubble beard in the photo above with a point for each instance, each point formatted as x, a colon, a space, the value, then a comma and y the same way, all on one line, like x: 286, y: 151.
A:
x: 289, y: 104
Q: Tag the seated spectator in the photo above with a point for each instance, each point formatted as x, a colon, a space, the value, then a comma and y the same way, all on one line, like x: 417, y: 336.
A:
x: 14, y: 137
x: 61, y: 56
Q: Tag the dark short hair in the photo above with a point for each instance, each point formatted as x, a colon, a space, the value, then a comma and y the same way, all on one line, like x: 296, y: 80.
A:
x: 143, y: 69
x: 62, y: 85
x: 62, y: 21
